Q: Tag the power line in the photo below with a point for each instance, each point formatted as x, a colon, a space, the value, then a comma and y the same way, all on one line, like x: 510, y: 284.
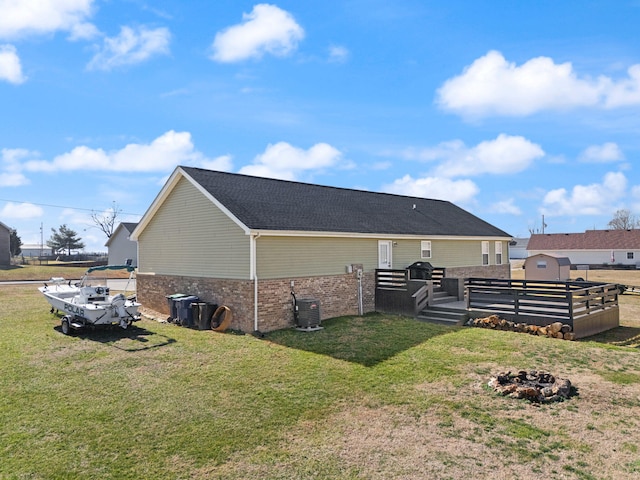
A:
x: 60, y: 206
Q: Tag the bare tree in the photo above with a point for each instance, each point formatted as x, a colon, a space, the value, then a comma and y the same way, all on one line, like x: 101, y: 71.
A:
x: 106, y: 221
x: 623, y: 219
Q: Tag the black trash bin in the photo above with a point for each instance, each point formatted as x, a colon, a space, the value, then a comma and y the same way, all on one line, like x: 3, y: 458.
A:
x: 185, y: 312
x: 172, y: 302
x: 420, y: 271
x: 202, y: 313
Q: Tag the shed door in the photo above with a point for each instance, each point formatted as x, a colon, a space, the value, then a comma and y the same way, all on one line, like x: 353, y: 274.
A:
x: 384, y: 254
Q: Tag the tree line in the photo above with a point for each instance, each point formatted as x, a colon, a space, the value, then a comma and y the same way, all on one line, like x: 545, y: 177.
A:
x: 64, y: 239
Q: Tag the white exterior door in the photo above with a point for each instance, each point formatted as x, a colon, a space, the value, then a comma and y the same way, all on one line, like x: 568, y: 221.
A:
x: 384, y: 254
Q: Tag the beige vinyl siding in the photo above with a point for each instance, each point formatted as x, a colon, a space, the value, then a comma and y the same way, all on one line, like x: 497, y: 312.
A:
x: 445, y: 253
x: 190, y: 236
x: 283, y: 257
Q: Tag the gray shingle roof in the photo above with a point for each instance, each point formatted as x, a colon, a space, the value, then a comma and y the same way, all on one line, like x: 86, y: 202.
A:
x: 129, y: 226
x: 268, y: 204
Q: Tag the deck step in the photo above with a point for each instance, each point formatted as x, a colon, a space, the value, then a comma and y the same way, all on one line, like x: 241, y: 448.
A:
x: 438, y: 300
x: 443, y: 315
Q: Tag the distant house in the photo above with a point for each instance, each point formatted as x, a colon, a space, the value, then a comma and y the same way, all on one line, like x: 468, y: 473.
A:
x: 121, y: 247
x: 593, y: 247
x: 518, y: 248
x: 545, y: 266
x: 249, y: 243
x: 35, y: 250
x: 5, y: 244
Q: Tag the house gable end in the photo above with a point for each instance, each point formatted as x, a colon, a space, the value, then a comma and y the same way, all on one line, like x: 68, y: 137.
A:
x: 166, y: 190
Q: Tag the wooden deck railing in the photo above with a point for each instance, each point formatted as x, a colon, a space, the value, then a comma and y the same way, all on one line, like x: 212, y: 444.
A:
x: 397, y: 293
x: 540, y: 301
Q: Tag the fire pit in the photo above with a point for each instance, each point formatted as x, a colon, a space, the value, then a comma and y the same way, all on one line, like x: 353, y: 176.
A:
x: 537, y: 387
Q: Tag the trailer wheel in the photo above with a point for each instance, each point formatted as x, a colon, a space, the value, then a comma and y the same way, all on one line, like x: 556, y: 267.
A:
x: 65, y: 325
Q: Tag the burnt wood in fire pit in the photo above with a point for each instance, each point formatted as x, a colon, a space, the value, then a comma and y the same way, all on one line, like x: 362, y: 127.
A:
x: 537, y: 387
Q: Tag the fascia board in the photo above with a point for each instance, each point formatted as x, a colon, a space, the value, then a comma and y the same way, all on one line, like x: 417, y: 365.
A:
x: 157, y: 203
x: 299, y: 233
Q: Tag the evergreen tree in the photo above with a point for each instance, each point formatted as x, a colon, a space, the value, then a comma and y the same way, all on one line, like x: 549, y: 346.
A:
x: 15, y: 243
x: 64, y: 239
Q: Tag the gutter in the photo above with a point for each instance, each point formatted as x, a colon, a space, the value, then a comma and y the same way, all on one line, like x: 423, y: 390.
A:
x: 254, y: 275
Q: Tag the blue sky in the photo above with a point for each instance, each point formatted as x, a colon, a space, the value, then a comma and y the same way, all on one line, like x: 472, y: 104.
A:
x: 512, y: 110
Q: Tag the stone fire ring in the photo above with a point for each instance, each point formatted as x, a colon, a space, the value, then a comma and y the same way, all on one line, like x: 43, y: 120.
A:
x: 537, y: 387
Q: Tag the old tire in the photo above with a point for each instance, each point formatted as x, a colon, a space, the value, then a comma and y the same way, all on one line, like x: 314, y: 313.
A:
x: 221, y: 319
x: 65, y: 325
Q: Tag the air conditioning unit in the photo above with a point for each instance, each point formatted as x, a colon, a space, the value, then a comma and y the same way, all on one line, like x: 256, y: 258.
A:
x: 307, y: 314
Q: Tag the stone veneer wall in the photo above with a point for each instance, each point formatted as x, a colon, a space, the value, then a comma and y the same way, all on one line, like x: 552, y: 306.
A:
x: 337, y: 294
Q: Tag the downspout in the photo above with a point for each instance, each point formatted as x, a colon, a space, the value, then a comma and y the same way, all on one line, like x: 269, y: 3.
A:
x: 254, y: 273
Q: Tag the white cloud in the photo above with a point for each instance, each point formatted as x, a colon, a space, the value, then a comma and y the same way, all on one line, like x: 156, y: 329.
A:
x: 285, y: 161
x: 338, y: 54
x: 607, y: 152
x: 13, y: 179
x: 222, y: 163
x: 594, y: 199
x: 162, y: 154
x: 625, y: 92
x: 493, y: 86
x: 10, y: 67
x: 506, y: 206
x: 131, y: 47
x: 505, y: 155
x: 456, y: 191
x: 10, y: 166
x: 21, y: 18
x: 21, y: 211
x: 267, y: 29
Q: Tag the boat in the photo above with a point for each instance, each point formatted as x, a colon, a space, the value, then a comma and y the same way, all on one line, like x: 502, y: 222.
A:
x: 89, y: 302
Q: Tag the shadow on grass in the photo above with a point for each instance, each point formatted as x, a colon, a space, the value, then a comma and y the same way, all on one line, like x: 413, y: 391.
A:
x: 10, y: 267
x: 619, y: 336
x: 367, y: 340
x: 133, y: 339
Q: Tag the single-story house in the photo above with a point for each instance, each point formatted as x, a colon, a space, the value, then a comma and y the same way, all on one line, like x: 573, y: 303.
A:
x: 5, y: 244
x: 35, y: 250
x: 249, y: 243
x: 121, y: 248
x: 546, y: 266
x: 593, y: 247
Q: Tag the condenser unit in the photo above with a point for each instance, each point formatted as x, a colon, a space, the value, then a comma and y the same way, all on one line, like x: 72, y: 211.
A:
x: 307, y: 314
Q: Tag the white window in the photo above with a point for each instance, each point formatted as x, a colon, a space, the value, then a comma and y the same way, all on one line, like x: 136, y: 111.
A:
x: 425, y: 249
x: 629, y: 255
x: 541, y: 264
x: 485, y: 253
x: 498, y: 253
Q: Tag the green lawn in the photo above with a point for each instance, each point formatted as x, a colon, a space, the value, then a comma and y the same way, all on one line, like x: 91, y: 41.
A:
x: 375, y: 397
x: 39, y: 272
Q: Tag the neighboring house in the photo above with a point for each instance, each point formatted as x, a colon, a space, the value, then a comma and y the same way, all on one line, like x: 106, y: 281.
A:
x: 121, y: 247
x: 35, y: 250
x: 518, y: 248
x: 249, y: 242
x: 545, y: 266
x: 5, y: 244
x: 593, y: 247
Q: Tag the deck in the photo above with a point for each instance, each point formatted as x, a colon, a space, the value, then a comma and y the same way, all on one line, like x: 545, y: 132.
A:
x: 588, y: 307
